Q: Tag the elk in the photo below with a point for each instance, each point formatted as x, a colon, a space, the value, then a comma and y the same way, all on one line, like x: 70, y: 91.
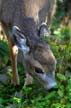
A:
x: 24, y: 22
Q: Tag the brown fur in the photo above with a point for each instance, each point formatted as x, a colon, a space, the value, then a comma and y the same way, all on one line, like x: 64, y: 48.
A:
x: 9, y: 10
x: 28, y: 15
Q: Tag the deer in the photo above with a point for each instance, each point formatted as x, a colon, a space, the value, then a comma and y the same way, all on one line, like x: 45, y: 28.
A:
x: 25, y: 23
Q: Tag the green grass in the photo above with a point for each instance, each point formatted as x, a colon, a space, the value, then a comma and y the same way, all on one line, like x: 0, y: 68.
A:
x: 35, y: 96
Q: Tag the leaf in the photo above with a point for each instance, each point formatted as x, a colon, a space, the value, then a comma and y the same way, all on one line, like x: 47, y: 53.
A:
x: 61, y: 77
x: 1, y: 101
x: 16, y: 100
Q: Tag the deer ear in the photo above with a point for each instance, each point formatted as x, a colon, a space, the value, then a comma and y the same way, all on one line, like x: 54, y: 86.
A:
x: 43, y: 30
x: 20, y: 40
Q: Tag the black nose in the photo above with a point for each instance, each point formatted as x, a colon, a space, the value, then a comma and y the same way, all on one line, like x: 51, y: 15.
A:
x: 53, y: 89
x: 38, y: 70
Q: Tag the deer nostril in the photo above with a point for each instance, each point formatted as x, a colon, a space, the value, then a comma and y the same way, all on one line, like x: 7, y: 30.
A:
x: 53, y: 89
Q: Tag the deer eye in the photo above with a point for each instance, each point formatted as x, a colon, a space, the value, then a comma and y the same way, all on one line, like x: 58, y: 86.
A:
x: 38, y: 70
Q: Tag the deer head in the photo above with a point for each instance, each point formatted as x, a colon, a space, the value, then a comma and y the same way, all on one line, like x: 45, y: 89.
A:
x: 39, y: 59
x: 41, y: 64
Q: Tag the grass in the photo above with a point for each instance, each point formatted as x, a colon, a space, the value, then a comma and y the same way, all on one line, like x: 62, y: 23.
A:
x: 35, y: 96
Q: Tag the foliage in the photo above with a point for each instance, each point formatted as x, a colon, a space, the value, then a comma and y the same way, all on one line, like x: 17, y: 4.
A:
x: 35, y: 96
x: 3, y: 49
x: 4, y: 53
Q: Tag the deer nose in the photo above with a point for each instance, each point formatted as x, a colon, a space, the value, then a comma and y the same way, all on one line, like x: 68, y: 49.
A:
x: 46, y: 79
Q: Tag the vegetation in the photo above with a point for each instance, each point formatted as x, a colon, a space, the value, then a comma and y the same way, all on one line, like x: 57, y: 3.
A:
x: 33, y: 96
